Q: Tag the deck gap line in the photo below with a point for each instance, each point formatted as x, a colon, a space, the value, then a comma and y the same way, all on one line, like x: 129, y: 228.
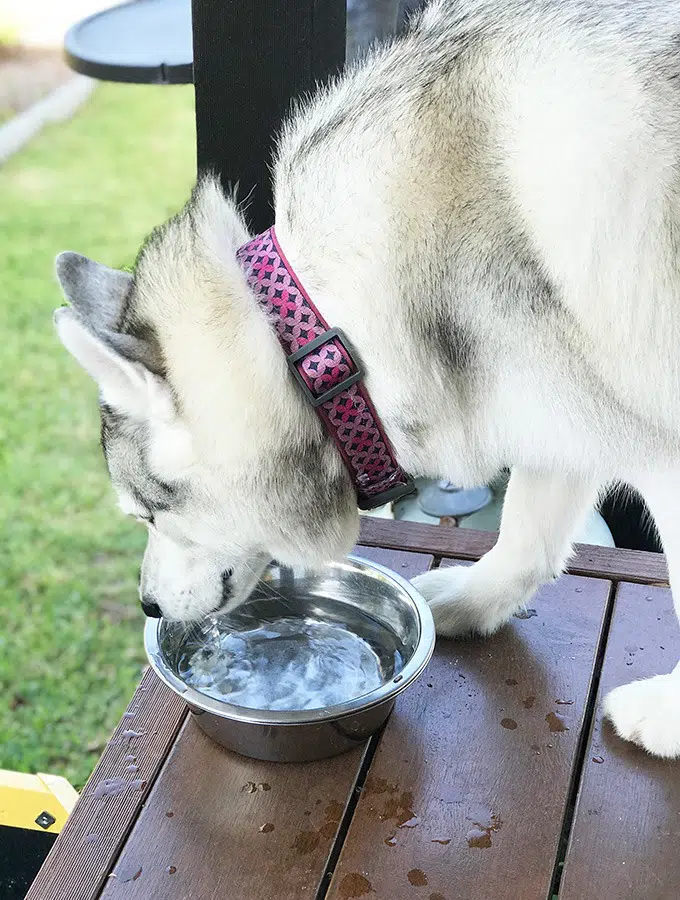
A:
x: 348, y: 815
x: 582, y: 747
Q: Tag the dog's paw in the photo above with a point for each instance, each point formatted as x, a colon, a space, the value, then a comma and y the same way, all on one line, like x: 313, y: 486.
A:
x: 648, y: 713
x: 461, y: 605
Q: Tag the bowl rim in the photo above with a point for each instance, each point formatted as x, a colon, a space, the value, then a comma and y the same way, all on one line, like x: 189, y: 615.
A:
x: 385, y: 692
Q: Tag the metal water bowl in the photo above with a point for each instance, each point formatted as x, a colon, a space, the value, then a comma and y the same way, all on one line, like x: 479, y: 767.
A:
x: 359, y: 596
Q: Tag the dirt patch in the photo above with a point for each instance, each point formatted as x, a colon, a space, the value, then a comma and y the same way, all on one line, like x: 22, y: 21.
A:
x: 27, y: 75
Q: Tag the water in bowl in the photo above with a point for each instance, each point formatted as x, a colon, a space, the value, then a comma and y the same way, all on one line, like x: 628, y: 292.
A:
x: 289, y: 662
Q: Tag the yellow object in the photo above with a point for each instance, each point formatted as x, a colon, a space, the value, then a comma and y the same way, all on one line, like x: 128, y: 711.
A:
x: 25, y: 800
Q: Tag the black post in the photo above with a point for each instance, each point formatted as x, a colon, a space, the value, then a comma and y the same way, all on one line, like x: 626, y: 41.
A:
x: 251, y: 57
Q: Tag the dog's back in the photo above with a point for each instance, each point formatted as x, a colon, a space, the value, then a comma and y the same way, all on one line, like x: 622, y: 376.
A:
x: 591, y: 143
x: 535, y: 141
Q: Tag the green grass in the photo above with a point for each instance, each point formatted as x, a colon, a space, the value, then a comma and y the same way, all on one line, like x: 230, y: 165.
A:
x: 70, y: 627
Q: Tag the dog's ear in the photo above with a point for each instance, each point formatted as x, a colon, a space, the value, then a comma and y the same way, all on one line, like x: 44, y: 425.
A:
x: 94, y: 291
x: 123, y: 366
x: 125, y: 385
x: 97, y: 295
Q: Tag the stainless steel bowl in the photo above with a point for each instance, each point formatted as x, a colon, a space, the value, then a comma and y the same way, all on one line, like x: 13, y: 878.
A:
x: 351, y: 592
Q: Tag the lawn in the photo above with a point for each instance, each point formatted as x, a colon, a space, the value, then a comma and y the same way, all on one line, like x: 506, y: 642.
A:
x: 70, y: 624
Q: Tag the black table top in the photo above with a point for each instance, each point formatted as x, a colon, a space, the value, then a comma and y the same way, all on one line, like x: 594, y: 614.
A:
x: 142, y: 41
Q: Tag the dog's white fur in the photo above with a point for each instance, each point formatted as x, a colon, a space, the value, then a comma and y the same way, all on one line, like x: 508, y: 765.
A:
x: 490, y: 208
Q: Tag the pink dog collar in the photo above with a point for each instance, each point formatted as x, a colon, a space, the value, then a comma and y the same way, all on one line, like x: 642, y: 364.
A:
x: 322, y: 361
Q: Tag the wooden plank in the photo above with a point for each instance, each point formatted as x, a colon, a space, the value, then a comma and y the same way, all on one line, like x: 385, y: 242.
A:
x: 614, y: 564
x: 84, y: 852
x: 218, y: 825
x: 626, y: 833
x: 467, y: 792
x: 408, y: 565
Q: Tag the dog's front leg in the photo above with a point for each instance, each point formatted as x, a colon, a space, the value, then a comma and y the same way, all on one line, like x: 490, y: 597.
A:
x: 541, y: 515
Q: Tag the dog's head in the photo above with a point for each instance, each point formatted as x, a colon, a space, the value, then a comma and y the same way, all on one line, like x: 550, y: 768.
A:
x: 205, y: 435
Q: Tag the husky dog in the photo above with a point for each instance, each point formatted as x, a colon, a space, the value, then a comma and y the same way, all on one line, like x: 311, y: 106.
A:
x: 489, y: 207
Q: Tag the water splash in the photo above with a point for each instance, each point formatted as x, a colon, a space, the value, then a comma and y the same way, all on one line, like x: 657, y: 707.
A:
x: 291, y: 663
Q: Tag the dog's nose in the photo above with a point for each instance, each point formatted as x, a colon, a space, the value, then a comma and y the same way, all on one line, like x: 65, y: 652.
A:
x: 151, y: 609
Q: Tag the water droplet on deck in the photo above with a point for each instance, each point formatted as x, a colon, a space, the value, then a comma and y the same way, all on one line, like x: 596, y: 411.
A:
x: 564, y: 702
x: 526, y: 614
x: 334, y: 811
x: 264, y: 786
x: 556, y: 722
x: 171, y: 870
x: 109, y: 787
x: 130, y: 758
x: 417, y: 878
x: 509, y: 723
x: 129, y: 735
x: 306, y: 842
x: 354, y: 885
x: 391, y: 841
x: 598, y: 759
x: 169, y: 814
x: 138, y: 784
x: 129, y: 715
x: 378, y: 786
x: 249, y: 788
x: 511, y: 681
x: 90, y: 838
x: 131, y: 768
x: 267, y: 827
x: 134, y: 877
x: 486, y: 823
x: 478, y: 837
x: 328, y: 830
x: 528, y: 702
x: 443, y: 843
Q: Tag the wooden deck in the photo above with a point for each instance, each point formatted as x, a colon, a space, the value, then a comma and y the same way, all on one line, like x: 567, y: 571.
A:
x: 495, y: 778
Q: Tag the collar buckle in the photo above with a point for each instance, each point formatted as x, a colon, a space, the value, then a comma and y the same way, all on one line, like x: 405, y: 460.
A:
x: 396, y: 492
x: 332, y: 334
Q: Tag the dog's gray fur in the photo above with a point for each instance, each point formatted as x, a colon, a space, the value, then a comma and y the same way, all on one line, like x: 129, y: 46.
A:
x: 489, y: 206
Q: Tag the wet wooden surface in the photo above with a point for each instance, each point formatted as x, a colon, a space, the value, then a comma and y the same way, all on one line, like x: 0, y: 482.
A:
x: 477, y: 760
x: 467, y: 795
x: 625, y: 843
x: 87, y: 847
x: 219, y: 825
